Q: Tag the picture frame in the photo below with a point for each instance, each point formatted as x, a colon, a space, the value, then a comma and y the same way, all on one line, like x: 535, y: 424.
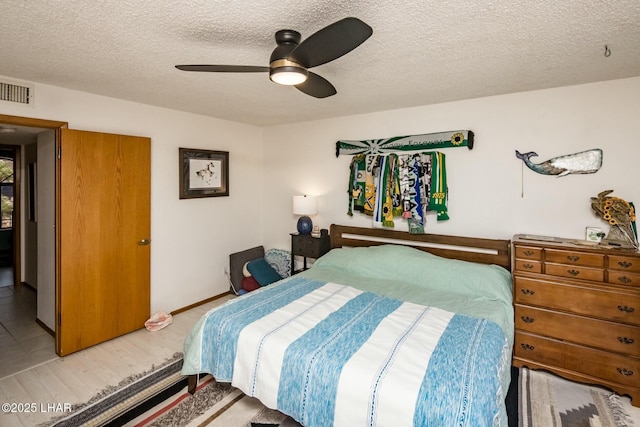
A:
x: 203, y: 173
x: 594, y: 234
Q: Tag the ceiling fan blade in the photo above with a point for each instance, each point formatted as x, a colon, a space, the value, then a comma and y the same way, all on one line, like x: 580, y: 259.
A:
x: 331, y: 42
x: 223, y: 68
x: 317, y: 86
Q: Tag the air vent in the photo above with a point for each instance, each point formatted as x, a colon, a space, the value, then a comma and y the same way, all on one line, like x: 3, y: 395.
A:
x: 11, y: 92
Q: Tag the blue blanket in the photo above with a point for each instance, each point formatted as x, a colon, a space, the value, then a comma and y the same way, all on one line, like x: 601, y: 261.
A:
x: 328, y: 354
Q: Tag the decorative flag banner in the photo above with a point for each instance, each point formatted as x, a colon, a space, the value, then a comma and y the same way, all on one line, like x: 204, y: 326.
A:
x: 457, y: 138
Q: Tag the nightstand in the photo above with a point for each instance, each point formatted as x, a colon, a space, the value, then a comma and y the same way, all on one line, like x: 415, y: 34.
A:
x: 307, y: 247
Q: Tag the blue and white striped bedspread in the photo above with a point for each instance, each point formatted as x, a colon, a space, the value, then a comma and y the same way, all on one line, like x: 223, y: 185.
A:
x: 328, y: 354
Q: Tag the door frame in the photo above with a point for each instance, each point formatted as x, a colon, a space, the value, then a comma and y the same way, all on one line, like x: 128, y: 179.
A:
x: 17, y: 237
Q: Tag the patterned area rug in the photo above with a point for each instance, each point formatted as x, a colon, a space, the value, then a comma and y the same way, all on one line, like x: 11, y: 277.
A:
x: 158, y: 397
x: 112, y: 401
x: 213, y: 404
x: 548, y: 400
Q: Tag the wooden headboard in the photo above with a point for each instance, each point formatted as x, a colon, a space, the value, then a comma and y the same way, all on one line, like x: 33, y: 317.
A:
x: 485, y: 251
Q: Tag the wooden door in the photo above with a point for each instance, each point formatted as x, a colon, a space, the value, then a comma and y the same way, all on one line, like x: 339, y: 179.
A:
x: 103, y: 233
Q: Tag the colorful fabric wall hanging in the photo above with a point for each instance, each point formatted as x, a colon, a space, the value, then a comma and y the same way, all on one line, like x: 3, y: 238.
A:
x: 385, y: 186
x: 429, y: 141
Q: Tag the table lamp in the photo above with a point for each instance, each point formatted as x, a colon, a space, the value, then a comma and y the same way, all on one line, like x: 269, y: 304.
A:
x: 305, y: 206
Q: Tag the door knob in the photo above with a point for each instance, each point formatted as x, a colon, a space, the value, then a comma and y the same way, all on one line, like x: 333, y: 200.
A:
x: 144, y: 242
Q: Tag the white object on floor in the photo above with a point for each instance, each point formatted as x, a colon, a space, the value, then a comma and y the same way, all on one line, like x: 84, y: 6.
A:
x: 158, y: 321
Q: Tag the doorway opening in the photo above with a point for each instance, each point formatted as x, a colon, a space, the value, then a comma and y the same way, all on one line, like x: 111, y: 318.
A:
x: 27, y: 340
x: 7, y: 191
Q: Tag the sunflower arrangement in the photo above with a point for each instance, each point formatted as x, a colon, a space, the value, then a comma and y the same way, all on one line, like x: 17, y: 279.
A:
x: 620, y: 215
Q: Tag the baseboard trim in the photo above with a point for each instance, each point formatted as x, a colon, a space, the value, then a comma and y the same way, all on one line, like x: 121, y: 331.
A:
x: 45, y: 327
x: 25, y: 284
x: 194, y: 305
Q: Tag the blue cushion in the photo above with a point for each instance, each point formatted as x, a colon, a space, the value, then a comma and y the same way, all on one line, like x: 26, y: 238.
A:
x: 263, y: 272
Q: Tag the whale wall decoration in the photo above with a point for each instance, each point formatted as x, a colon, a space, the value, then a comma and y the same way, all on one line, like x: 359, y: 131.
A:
x: 589, y: 161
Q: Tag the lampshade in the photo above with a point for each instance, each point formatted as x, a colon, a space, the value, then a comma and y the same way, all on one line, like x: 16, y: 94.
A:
x: 305, y: 205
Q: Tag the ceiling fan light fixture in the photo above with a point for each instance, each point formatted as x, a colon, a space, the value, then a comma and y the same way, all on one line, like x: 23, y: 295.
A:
x: 287, y: 77
x: 287, y: 73
x: 291, y: 58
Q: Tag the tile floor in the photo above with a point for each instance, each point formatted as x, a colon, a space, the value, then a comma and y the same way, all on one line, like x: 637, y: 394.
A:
x: 6, y: 276
x: 23, y: 342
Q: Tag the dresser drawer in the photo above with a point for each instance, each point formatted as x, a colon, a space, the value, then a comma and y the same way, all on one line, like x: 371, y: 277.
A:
x: 624, y: 278
x: 574, y: 272
x: 604, y: 304
x: 306, y: 249
x: 528, y: 252
x: 308, y: 246
x: 601, y: 334
x: 527, y: 265
x: 574, y: 258
x: 624, y: 263
x: 600, y: 364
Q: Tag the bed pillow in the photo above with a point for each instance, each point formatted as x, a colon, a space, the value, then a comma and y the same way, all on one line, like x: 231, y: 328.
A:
x: 263, y: 272
x: 395, y: 262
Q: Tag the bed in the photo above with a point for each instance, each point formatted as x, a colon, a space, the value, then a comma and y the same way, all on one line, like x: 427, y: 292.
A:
x: 387, y: 329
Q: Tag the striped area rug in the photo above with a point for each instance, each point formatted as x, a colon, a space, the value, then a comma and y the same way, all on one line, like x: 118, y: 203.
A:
x: 115, y: 400
x: 213, y: 404
x: 548, y: 400
x: 158, y: 397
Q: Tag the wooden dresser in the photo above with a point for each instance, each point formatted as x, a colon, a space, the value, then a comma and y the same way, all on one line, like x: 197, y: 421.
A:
x: 577, y: 312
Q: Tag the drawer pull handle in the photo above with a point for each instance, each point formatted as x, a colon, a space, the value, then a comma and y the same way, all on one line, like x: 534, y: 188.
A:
x: 573, y: 258
x: 528, y: 253
x: 626, y: 308
x: 624, y: 279
x: 527, y: 319
x: 625, y: 372
x: 574, y: 273
x: 625, y: 340
x: 528, y: 266
x: 624, y: 264
x: 530, y: 292
x: 527, y: 347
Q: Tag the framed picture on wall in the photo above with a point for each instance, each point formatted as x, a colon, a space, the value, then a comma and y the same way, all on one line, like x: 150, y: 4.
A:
x: 203, y: 173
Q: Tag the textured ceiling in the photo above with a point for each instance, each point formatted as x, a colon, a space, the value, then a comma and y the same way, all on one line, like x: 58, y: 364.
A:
x: 421, y: 52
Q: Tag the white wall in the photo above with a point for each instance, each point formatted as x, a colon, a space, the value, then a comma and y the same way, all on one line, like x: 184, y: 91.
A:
x: 485, y: 183
x: 46, y: 231
x: 190, y: 239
